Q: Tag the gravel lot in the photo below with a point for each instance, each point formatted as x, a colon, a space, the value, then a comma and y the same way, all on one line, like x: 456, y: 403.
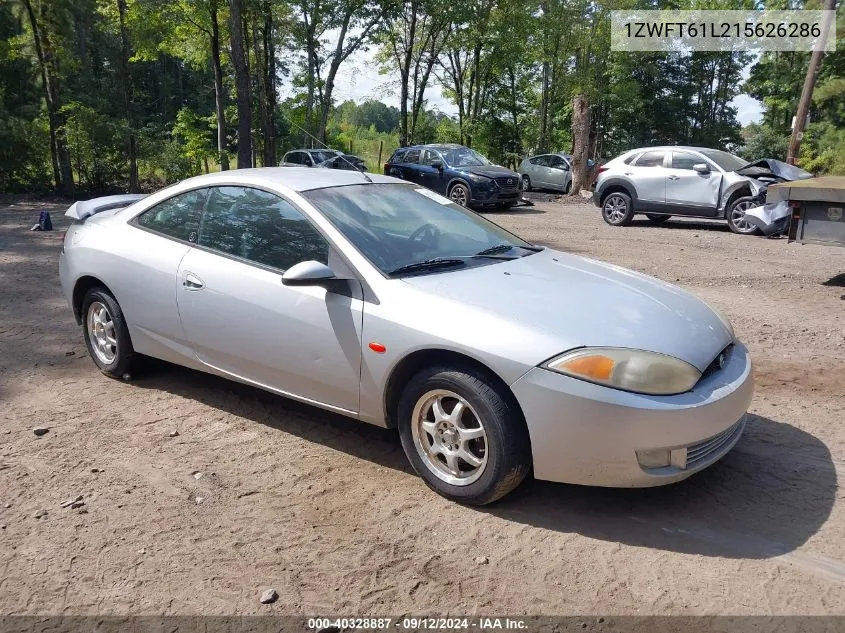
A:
x: 257, y: 492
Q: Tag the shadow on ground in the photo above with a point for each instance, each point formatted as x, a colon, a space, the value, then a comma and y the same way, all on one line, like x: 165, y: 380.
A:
x: 689, y: 225
x: 837, y: 281
x: 764, y: 499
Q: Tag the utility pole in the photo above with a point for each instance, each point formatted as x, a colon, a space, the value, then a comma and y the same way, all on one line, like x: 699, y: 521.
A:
x: 809, y: 86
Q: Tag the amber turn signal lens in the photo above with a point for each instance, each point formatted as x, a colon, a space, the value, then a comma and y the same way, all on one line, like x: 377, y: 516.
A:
x: 595, y: 367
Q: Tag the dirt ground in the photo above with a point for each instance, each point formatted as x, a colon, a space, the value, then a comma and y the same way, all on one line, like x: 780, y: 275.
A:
x: 258, y: 492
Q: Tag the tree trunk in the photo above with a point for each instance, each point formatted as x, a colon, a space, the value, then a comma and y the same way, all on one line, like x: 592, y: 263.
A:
x: 242, y: 88
x: 134, y: 186
x: 60, y: 157
x: 581, y: 142
x: 219, y: 94
x: 269, y: 101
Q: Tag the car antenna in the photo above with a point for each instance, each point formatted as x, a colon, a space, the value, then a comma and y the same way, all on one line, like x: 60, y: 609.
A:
x: 314, y: 138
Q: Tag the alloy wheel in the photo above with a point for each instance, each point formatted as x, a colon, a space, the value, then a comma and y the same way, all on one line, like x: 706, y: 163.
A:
x: 449, y: 437
x: 101, y: 332
x: 738, y: 217
x: 615, y: 208
x: 458, y: 195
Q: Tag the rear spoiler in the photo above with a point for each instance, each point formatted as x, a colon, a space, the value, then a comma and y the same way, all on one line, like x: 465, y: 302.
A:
x: 86, y: 208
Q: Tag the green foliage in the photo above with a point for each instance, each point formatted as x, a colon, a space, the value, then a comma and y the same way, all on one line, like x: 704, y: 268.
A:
x: 761, y: 141
x: 511, y: 67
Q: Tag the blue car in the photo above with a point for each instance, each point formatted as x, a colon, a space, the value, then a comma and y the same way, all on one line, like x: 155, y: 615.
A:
x: 457, y: 172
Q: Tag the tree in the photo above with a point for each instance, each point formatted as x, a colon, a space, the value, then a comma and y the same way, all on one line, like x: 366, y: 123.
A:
x: 242, y: 83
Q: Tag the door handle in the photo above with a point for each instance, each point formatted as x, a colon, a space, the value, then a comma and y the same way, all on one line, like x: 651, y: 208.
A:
x: 674, y: 177
x: 192, y: 282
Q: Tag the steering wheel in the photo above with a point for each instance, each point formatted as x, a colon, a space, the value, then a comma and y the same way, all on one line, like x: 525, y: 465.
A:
x: 426, y: 234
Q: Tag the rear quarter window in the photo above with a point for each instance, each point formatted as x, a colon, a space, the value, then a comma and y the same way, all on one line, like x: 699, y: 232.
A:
x: 177, y: 217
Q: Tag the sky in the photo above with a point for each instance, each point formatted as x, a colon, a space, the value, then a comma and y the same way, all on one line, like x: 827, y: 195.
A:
x: 359, y: 80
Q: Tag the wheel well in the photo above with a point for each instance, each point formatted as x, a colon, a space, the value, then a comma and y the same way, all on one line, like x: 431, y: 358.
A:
x: 421, y: 359
x: 83, y: 285
x: 739, y: 193
x: 458, y: 181
x: 615, y: 189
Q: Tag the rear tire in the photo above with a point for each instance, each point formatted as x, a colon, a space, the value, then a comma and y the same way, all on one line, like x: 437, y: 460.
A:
x: 474, y: 454
x: 106, y: 334
x: 657, y: 219
x: 736, y: 216
x: 617, y: 209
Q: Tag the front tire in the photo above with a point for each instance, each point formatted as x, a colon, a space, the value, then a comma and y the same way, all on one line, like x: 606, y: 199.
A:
x: 736, y: 216
x: 617, y: 209
x: 459, y: 194
x: 526, y: 182
x: 465, y: 439
x: 106, y: 334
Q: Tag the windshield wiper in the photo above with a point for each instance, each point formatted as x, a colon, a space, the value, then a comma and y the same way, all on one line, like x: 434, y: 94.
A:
x: 501, y: 248
x: 428, y: 264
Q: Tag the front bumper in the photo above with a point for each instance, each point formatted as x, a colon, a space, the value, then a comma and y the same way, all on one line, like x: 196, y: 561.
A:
x: 582, y: 433
x: 493, y: 197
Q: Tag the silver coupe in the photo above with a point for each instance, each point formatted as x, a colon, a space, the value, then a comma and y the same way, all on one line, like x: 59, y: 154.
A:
x: 383, y: 301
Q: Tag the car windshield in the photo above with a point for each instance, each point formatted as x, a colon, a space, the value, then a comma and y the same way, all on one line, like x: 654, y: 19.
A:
x: 728, y: 162
x: 464, y: 157
x: 397, y: 225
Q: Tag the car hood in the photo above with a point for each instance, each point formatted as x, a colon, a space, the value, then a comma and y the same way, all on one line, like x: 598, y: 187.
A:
x: 573, y: 302
x: 491, y: 171
x: 771, y: 168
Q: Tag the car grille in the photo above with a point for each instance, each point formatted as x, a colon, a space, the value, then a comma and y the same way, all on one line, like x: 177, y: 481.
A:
x: 507, y: 183
x: 718, y: 362
x: 702, y: 452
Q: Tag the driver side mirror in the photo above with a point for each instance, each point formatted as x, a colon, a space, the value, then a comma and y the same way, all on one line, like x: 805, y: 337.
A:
x: 311, y: 273
x: 701, y: 168
x: 438, y: 165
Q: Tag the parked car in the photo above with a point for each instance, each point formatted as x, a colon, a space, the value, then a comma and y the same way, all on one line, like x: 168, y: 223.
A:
x: 547, y: 171
x: 345, y: 161
x: 690, y: 181
x: 457, y: 172
x: 388, y: 303
x: 309, y: 157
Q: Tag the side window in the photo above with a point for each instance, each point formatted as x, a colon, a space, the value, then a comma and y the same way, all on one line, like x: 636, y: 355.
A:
x: 542, y: 161
x: 412, y: 156
x: 177, y: 217
x: 651, y: 159
x: 685, y: 160
x: 260, y: 227
x: 558, y: 163
x: 429, y: 156
x: 630, y: 158
x: 398, y: 157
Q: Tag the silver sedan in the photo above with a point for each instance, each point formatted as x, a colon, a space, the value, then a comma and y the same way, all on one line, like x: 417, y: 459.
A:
x: 385, y: 302
x: 547, y: 171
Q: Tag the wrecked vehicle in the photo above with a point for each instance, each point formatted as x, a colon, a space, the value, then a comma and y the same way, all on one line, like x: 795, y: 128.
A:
x: 809, y: 211
x: 686, y: 181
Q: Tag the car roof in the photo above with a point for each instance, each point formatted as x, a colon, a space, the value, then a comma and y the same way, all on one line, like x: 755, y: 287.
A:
x: 434, y: 146
x: 294, y: 178
x: 678, y: 147
x: 314, y: 149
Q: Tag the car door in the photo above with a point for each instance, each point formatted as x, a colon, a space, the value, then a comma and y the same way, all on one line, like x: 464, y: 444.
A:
x: 537, y: 172
x: 411, y: 166
x: 432, y: 177
x: 162, y: 236
x: 649, y: 177
x: 691, y: 192
x: 243, y: 322
x: 558, y: 173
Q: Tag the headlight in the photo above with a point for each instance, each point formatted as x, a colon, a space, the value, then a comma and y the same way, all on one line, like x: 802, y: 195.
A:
x: 723, y: 319
x: 628, y: 369
x: 478, y: 179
